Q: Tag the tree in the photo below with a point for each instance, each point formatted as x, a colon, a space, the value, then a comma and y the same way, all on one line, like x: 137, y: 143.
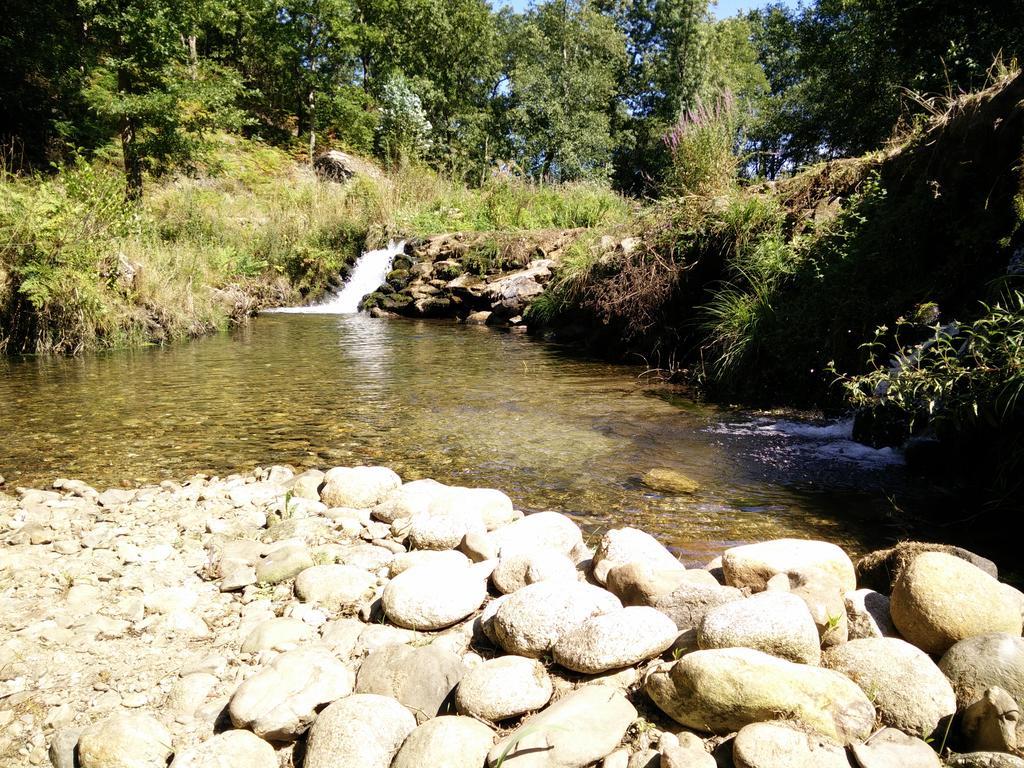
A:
x: 563, y: 82
x: 404, y: 130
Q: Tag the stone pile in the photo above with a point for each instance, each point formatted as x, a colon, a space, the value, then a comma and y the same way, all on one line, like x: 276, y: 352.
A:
x: 344, y: 619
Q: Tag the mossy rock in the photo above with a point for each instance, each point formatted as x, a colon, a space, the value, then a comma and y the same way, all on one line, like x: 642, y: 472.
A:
x: 398, y: 278
x: 669, y: 481
x: 447, y: 270
x: 396, y: 301
x: 374, y: 299
x: 401, y: 261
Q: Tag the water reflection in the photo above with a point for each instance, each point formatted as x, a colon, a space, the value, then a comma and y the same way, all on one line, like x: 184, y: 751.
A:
x: 463, y: 405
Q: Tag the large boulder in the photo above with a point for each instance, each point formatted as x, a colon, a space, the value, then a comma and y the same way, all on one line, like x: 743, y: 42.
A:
x: 576, y: 731
x: 616, y: 639
x: 983, y: 661
x: 504, y: 687
x: 281, y: 700
x: 774, y: 622
x: 444, y: 528
x: 411, y: 499
x: 643, y: 584
x: 909, y: 692
x: 358, y: 487
x: 519, y: 569
x: 542, y: 530
x: 335, y: 587
x: 454, y: 742
x: 420, y: 678
x: 429, y: 597
x: 689, y: 603
x: 880, y: 569
x: 406, y: 560
x: 630, y: 545
x: 340, y: 167
x: 231, y: 749
x: 723, y: 690
x: 125, y: 741
x: 750, y: 566
x: 776, y: 745
x: 940, y: 599
x: 360, y: 731
x: 532, y: 620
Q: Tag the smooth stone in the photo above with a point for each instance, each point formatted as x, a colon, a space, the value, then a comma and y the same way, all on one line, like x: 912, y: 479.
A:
x: 880, y: 569
x: 231, y: 749
x: 630, y: 545
x: 686, y: 754
x: 406, y: 560
x: 644, y: 584
x: 775, y: 745
x: 504, y: 687
x: 750, y: 566
x: 688, y: 603
x: 823, y: 595
x: 532, y: 620
x: 283, y: 562
x: 726, y: 689
x: 281, y: 700
x: 515, y: 571
x: 443, y: 529
x: 422, y: 679
x: 335, y: 587
x: 867, y: 614
x: 990, y: 724
x: 368, y: 557
x: 777, y: 623
x: 492, y: 506
x: 361, y: 731
x: 452, y: 742
x: 908, y: 690
x: 890, y: 748
x: 577, y: 730
x: 62, y: 747
x: 189, y: 692
x: 358, y: 487
x: 983, y: 661
x: 280, y: 634
x: 616, y: 639
x: 411, y: 499
x: 541, y: 530
x: 125, y: 741
x: 940, y: 599
x: 306, y: 485
x: 429, y: 597
x: 667, y: 480
x: 985, y: 760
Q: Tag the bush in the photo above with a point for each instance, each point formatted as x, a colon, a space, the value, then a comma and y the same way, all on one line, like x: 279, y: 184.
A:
x: 702, y: 147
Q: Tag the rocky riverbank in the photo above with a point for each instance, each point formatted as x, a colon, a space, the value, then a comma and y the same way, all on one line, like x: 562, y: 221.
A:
x: 346, y: 619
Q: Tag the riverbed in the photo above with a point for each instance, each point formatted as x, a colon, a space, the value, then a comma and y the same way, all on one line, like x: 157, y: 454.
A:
x: 465, y: 405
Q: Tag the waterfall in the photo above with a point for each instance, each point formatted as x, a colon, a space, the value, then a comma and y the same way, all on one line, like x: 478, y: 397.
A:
x: 367, y: 274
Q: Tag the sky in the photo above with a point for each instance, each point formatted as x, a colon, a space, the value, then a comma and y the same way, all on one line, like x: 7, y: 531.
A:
x: 724, y: 8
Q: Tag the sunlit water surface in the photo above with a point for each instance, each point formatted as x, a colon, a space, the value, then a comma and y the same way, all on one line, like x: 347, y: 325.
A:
x: 464, y: 405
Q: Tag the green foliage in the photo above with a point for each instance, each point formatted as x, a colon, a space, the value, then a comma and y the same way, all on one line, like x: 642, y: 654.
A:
x: 702, y: 148
x: 403, y: 133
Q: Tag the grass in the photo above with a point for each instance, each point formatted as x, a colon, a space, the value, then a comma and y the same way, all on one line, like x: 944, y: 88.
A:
x: 80, y: 269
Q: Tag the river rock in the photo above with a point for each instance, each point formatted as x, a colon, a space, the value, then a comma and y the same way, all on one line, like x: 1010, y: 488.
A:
x: 890, y: 748
x: 777, y: 623
x: 532, y: 620
x: 990, y: 724
x: 431, y: 597
x: 684, y: 751
x: 643, y: 584
x: 454, y: 742
x: 688, y: 603
x: 577, y: 730
x: 504, y: 687
x: 444, y: 528
x: 616, y: 639
x: 723, y: 690
x: 775, y: 745
x: 282, y: 562
x: 361, y: 731
x: 406, y: 560
x: 125, y: 741
x: 867, y: 614
x: 940, y: 599
x: 335, y: 587
x: 422, y: 678
x: 413, y: 498
x: 231, y: 749
x: 752, y: 565
x: 359, y: 487
x: 823, y: 595
x: 492, y: 506
x: 907, y: 688
x: 306, y: 485
x: 517, y: 570
x: 542, y: 530
x: 281, y: 700
x: 281, y: 634
x: 629, y: 545
x: 983, y: 661
x: 880, y: 569
x: 368, y: 557
x: 667, y: 480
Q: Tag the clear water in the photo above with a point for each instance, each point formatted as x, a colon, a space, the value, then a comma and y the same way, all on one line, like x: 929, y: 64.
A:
x: 367, y: 275
x: 465, y: 405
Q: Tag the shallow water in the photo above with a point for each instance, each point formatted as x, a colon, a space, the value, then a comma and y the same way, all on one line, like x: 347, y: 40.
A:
x: 465, y: 405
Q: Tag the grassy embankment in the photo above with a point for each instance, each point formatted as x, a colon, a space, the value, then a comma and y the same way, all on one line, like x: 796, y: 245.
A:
x: 81, y: 270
